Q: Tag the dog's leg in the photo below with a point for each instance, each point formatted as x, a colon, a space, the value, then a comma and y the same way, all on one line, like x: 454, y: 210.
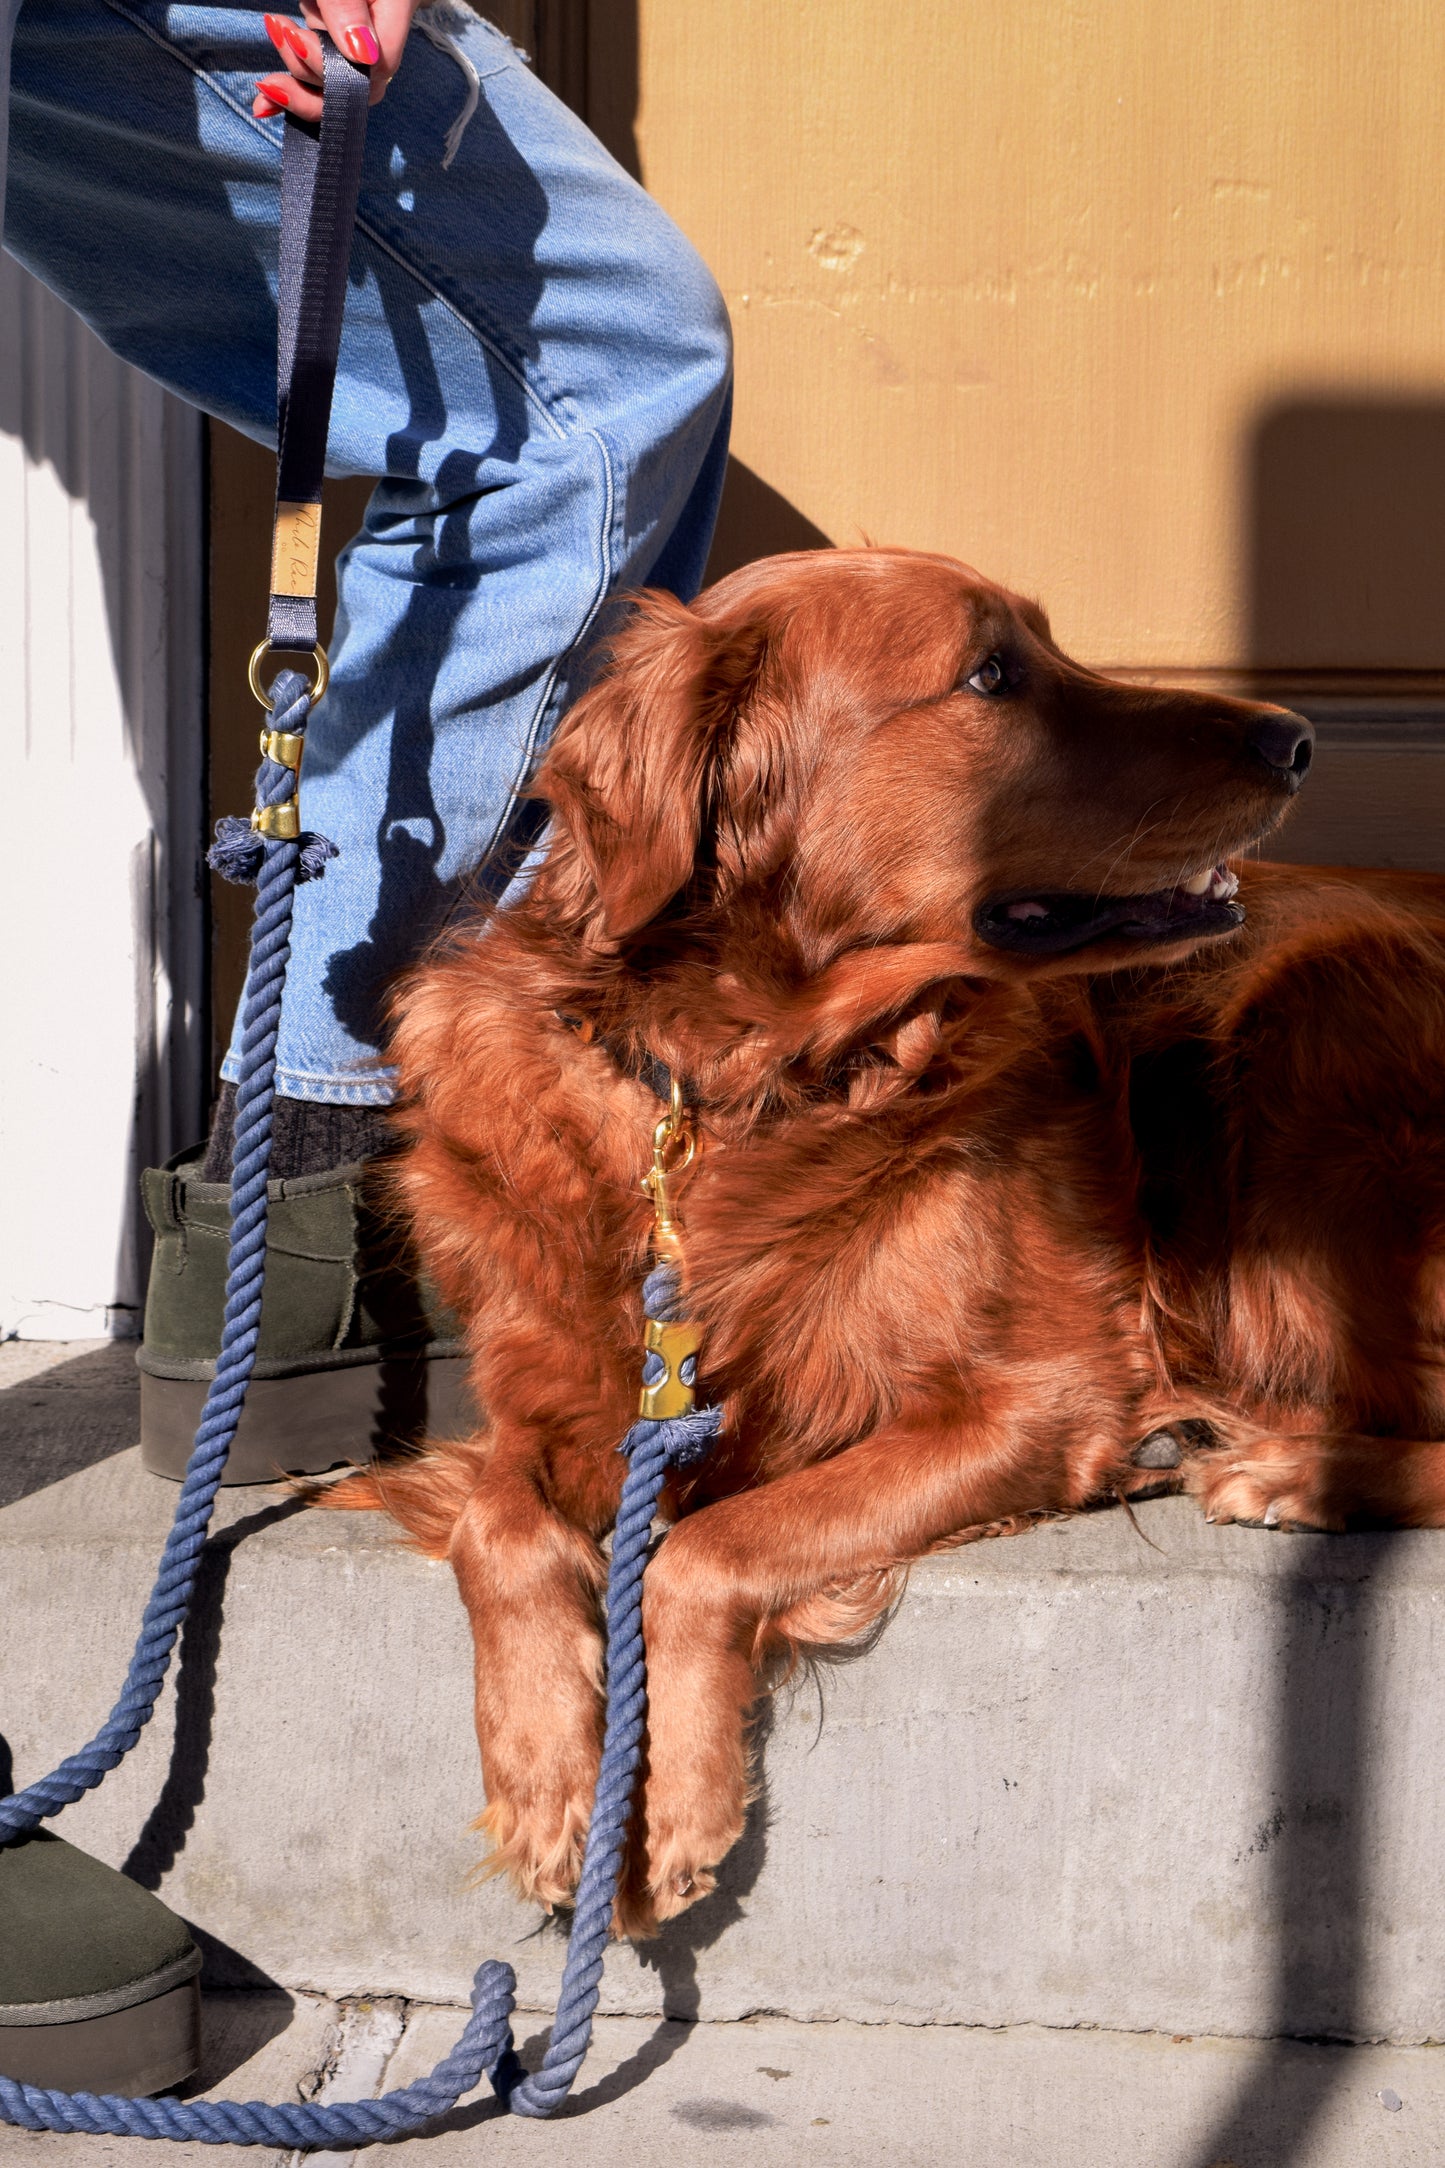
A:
x: 809, y: 1557
x: 530, y: 1581
x: 1323, y: 1481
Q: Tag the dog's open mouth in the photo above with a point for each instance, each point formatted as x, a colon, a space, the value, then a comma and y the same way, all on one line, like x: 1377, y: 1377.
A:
x: 1040, y: 924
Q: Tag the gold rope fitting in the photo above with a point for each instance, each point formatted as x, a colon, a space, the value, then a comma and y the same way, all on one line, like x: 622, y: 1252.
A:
x: 253, y: 676
x: 282, y: 746
x: 672, y: 1394
x: 281, y: 822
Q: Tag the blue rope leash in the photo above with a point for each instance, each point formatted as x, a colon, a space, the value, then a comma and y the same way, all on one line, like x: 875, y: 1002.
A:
x: 277, y: 867
x: 485, y: 2046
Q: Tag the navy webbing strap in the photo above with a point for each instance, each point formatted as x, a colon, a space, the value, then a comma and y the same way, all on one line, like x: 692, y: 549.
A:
x: 320, y: 181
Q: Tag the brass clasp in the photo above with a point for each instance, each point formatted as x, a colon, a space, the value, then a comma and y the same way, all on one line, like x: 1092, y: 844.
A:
x: 673, y: 1342
x: 283, y: 822
x: 674, y: 1146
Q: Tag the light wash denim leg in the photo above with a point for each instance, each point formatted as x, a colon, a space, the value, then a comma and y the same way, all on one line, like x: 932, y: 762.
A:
x: 533, y: 359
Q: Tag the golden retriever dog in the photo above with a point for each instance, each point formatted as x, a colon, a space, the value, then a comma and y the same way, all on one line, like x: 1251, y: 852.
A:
x: 1047, y: 1156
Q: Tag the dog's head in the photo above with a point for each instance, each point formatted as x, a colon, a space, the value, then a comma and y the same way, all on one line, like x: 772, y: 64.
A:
x: 879, y: 749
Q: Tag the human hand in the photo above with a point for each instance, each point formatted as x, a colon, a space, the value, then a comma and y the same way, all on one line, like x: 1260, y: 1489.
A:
x: 372, y: 34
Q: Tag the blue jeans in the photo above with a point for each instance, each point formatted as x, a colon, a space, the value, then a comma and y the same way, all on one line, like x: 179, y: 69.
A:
x: 534, y: 364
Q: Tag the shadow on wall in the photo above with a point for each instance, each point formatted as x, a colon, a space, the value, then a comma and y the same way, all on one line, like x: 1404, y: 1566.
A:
x: 1346, y: 546
x: 756, y: 520
x: 1347, y: 567
x: 1347, y: 537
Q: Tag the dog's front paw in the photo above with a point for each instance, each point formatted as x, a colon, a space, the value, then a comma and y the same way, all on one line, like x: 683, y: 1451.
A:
x: 672, y: 1863
x: 538, y: 1844
x: 1272, y: 1483
x: 640, y: 1912
x: 690, y: 1815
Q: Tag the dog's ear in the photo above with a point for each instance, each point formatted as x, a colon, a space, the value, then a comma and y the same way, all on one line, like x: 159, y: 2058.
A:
x: 628, y: 774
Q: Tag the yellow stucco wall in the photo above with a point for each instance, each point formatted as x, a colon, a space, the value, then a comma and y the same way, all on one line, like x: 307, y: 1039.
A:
x: 1140, y: 307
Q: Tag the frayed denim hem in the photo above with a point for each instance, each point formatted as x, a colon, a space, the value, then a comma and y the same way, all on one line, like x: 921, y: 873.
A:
x: 377, y: 1090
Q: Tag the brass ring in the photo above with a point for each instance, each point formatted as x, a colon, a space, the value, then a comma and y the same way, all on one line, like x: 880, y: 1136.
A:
x: 253, y: 675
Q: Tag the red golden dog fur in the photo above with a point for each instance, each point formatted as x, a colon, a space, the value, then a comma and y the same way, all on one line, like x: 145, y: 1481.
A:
x: 1020, y: 1142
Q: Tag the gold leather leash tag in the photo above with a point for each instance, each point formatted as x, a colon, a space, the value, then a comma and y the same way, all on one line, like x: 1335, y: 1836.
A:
x: 295, y: 549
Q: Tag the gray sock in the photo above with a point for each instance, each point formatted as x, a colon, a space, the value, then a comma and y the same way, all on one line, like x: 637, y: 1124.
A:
x: 308, y: 1136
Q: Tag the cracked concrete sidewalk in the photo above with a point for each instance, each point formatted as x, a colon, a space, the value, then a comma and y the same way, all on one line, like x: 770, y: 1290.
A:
x: 769, y: 2093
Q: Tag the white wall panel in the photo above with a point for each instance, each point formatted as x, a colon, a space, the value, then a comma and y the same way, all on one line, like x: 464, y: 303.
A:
x: 102, y: 1038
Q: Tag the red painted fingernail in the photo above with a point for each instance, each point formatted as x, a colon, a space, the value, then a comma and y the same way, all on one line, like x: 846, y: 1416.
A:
x: 361, y: 45
x: 276, y: 94
x: 283, y: 35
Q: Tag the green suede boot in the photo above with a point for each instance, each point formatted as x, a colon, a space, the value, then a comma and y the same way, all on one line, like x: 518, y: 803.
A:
x: 356, y: 1353
x: 99, y: 1983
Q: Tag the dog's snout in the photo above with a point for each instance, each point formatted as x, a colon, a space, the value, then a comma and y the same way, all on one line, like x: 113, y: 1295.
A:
x: 1286, y: 742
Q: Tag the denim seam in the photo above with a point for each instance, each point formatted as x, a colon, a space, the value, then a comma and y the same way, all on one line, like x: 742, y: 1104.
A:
x: 538, y: 394
x: 549, y: 685
x: 516, y: 369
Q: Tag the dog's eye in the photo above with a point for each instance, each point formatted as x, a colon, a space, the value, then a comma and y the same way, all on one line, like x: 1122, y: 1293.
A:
x: 990, y: 676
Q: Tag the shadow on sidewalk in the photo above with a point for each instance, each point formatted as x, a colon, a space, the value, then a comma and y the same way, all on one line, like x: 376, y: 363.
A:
x: 1346, y: 525
x: 68, y: 1417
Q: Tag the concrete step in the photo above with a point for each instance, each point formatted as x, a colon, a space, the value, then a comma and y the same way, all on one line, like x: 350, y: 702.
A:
x: 1181, y: 1779
x: 770, y: 2093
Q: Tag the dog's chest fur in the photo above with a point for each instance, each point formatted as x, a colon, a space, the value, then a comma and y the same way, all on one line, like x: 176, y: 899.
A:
x: 967, y: 1247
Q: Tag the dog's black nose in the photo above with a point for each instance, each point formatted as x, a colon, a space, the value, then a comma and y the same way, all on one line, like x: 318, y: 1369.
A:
x: 1287, y: 743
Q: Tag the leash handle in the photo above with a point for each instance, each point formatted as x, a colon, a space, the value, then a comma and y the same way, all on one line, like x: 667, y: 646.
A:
x: 320, y: 184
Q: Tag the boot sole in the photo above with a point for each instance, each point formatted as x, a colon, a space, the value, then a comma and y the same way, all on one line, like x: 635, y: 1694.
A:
x: 150, y: 2045
x: 314, y: 1420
